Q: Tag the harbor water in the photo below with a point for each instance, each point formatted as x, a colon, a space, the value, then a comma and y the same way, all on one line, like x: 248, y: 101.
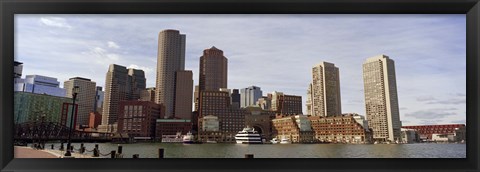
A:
x: 221, y: 150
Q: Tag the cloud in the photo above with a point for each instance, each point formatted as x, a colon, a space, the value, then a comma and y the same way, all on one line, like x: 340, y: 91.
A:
x: 432, y: 113
x: 449, y: 102
x: 102, y: 56
x: 425, y: 98
x: 55, y: 22
x: 145, y: 69
x: 112, y: 44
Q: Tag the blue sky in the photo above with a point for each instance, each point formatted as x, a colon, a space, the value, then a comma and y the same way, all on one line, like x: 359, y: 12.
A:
x: 274, y: 52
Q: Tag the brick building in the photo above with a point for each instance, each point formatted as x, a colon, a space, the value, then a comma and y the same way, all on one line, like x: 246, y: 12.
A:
x: 295, y: 128
x: 138, y: 118
x: 172, y: 127
x: 426, y: 131
x: 339, y: 129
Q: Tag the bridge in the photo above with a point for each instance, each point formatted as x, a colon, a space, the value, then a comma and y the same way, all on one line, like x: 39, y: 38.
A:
x: 29, y: 132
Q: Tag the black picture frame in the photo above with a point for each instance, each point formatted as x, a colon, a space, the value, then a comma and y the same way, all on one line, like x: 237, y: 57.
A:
x: 8, y: 8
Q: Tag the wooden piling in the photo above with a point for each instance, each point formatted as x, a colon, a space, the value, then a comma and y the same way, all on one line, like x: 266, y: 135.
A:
x: 112, y: 154
x: 161, y: 153
x: 248, y: 155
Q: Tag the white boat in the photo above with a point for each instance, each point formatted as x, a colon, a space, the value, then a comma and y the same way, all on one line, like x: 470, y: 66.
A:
x: 274, y: 141
x: 189, y: 138
x: 211, y: 141
x: 284, y: 141
x: 248, y: 136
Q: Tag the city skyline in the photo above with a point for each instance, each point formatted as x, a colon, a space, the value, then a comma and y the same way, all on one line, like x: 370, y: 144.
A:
x: 435, y: 90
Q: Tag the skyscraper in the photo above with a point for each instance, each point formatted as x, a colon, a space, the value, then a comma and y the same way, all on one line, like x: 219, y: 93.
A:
x: 381, y: 101
x: 308, y: 103
x: 325, y: 90
x: 85, y: 97
x: 249, y: 96
x: 235, y: 98
x: 213, y: 70
x: 170, y: 69
x: 183, y: 94
x: 40, y: 85
x: 120, y: 84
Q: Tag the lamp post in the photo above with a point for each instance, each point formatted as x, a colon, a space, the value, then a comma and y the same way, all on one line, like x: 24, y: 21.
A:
x: 74, y: 94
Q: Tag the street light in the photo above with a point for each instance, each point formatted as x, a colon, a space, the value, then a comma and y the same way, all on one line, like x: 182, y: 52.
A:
x: 74, y: 94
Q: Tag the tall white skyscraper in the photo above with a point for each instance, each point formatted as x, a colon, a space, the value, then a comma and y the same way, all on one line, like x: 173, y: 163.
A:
x: 381, y: 101
x: 324, y: 91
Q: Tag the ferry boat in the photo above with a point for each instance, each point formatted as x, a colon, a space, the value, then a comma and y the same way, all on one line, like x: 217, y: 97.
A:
x: 189, y: 138
x: 248, y: 136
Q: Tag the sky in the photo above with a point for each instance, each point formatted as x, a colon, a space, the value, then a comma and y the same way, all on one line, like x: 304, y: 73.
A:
x: 274, y: 52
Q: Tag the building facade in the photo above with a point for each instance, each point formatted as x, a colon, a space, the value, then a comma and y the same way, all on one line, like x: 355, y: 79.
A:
x: 120, y: 85
x: 381, y: 101
x: 183, y: 95
x: 17, y: 70
x: 40, y: 85
x: 148, y: 94
x: 231, y: 120
x: 86, y: 97
x: 94, y: 120
x: 138, y: 118
x: 308, y: 103
x: 170, y: 59
x: 265, y: 102
x: 249, y: 96
x: 409, y: 135
x: 213, y: 70
x: 168, y: 127
x: 325, y: 90
x: 340, y: 129
x: 99, y: 97
x: 295, y: 128
x: 30, y: 107
x: 235, y: 98
x: 286, y: 104
x: 425, y: 131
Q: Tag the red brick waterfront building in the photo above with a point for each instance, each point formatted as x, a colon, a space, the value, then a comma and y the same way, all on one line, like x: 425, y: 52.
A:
x: 295, y: 128
x: 344, y: 128
x: 138, y: 118
x: 426, y: 131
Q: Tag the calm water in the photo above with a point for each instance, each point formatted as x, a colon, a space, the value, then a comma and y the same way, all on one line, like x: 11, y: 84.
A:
x: 179, y: 150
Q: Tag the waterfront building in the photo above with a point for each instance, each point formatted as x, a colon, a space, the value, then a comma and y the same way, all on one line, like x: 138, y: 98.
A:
x: 148, y: 94
x: 235, y: 99
x: 286, y: 104
x: 260, y: 120
x: 40, y: 85
x: 99, y: 97
x: 217, y: 103
x: 107, y: 128
x: 138, y: 118
x: 295, y: 128
x: 94, y: 120
x: 381, y: 101
x: 325, y: 90
x: 85, y: 97
x: 213, y: 71
x: 409, y: 135
x: 169, y: 127
x: 340, y: 129
x: 30, y: 107
x: 183, y: 95
x: 170, y: 70
x: 120, y: 84
x: 249, y: 96
x: 210, y: 123
x: 359, y: 119
x: 425, y: 132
